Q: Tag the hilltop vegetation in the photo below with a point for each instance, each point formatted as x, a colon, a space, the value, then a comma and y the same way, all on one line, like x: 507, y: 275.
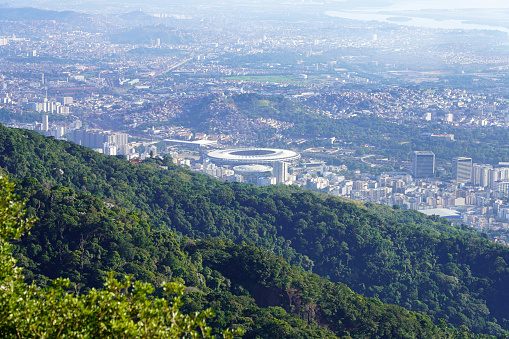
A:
x: 486, y: 145
x: 395, y: 141
x: 99, y: 213
x: 149, y: 35
x: 28, y: 13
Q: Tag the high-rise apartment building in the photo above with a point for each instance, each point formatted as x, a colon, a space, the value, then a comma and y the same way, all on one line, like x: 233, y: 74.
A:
x: 45, y: 123
x: 109, y: 149
x: 480, y: 174
x: 65, y: 100
x: 496, y: 175
x: 280, y: 171
x: 424, y: 164
x: 462, y: 169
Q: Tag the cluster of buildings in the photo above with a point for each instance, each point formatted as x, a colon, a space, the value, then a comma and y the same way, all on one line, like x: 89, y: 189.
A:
x: 117, y: 80
x: 455, y: 107
x: 57, y: 129
x: 61, y: 106
x: 107, y: 142
x: 474, y: 194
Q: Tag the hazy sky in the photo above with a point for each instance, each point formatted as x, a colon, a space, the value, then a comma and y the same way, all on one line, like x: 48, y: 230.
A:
x: 396, y: 5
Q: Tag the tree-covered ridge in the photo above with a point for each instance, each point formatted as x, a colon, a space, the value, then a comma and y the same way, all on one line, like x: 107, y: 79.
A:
x: 400, y: 257
x: 81, y: 238
x: 273, y: 283
x: 484, y: 145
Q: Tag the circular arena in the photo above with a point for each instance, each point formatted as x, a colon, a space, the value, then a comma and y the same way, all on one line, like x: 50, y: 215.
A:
x: 247, y: 156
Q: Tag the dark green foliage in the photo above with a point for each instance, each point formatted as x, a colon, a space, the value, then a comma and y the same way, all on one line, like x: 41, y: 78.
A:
x: 81, y: 237
x: 90, y: 206
x: 274, y: 284
x: 122, y: 309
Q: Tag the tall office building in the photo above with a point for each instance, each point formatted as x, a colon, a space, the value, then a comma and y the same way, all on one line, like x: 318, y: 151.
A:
x: 280, y: 171
x: 462, y: 169
x: 60, y: 132
x: 65, y: 100
x: 424, y: 164
x: 109, y: 149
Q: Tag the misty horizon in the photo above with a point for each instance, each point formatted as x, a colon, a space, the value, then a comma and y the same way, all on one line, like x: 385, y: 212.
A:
x: 370, y: 5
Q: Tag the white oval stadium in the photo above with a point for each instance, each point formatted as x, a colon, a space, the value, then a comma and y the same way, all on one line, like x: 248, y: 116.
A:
x: 247, y: 156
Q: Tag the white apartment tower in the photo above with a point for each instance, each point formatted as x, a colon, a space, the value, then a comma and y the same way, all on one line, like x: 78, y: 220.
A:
x: 280, y: 171
x: 45, y: 123
x: 480, y: 174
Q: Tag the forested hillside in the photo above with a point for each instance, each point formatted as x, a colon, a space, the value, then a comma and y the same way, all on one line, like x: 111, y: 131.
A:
x: 80, y: 237
x: 393, y: 140
x: 99, y: 213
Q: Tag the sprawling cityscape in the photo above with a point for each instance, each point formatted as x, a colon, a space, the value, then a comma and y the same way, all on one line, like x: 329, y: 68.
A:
x: 257, y: 168
x: 145, y: 85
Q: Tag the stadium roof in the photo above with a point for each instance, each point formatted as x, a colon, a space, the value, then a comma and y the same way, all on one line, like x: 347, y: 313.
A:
x: 247, y: 156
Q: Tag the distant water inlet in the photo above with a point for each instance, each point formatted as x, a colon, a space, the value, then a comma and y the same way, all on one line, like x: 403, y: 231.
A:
x: 414, y: 21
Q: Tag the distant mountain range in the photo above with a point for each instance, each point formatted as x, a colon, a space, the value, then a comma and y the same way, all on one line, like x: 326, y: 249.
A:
x: 153, y: 28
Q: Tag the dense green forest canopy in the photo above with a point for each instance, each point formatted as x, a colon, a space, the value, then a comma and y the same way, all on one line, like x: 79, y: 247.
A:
x: 99, y: 213
x: 250, y: 289
x: 122, y: 309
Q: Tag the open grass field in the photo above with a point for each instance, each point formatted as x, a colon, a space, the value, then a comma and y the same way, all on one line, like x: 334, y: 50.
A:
x: 283, y: 79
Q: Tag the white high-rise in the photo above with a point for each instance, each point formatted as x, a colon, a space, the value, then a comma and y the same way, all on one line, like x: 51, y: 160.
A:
x: 480, y: 174
x: 497, y: 175
x: 45, y: 123
x: 109, y: 149
x: 280, y: 171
